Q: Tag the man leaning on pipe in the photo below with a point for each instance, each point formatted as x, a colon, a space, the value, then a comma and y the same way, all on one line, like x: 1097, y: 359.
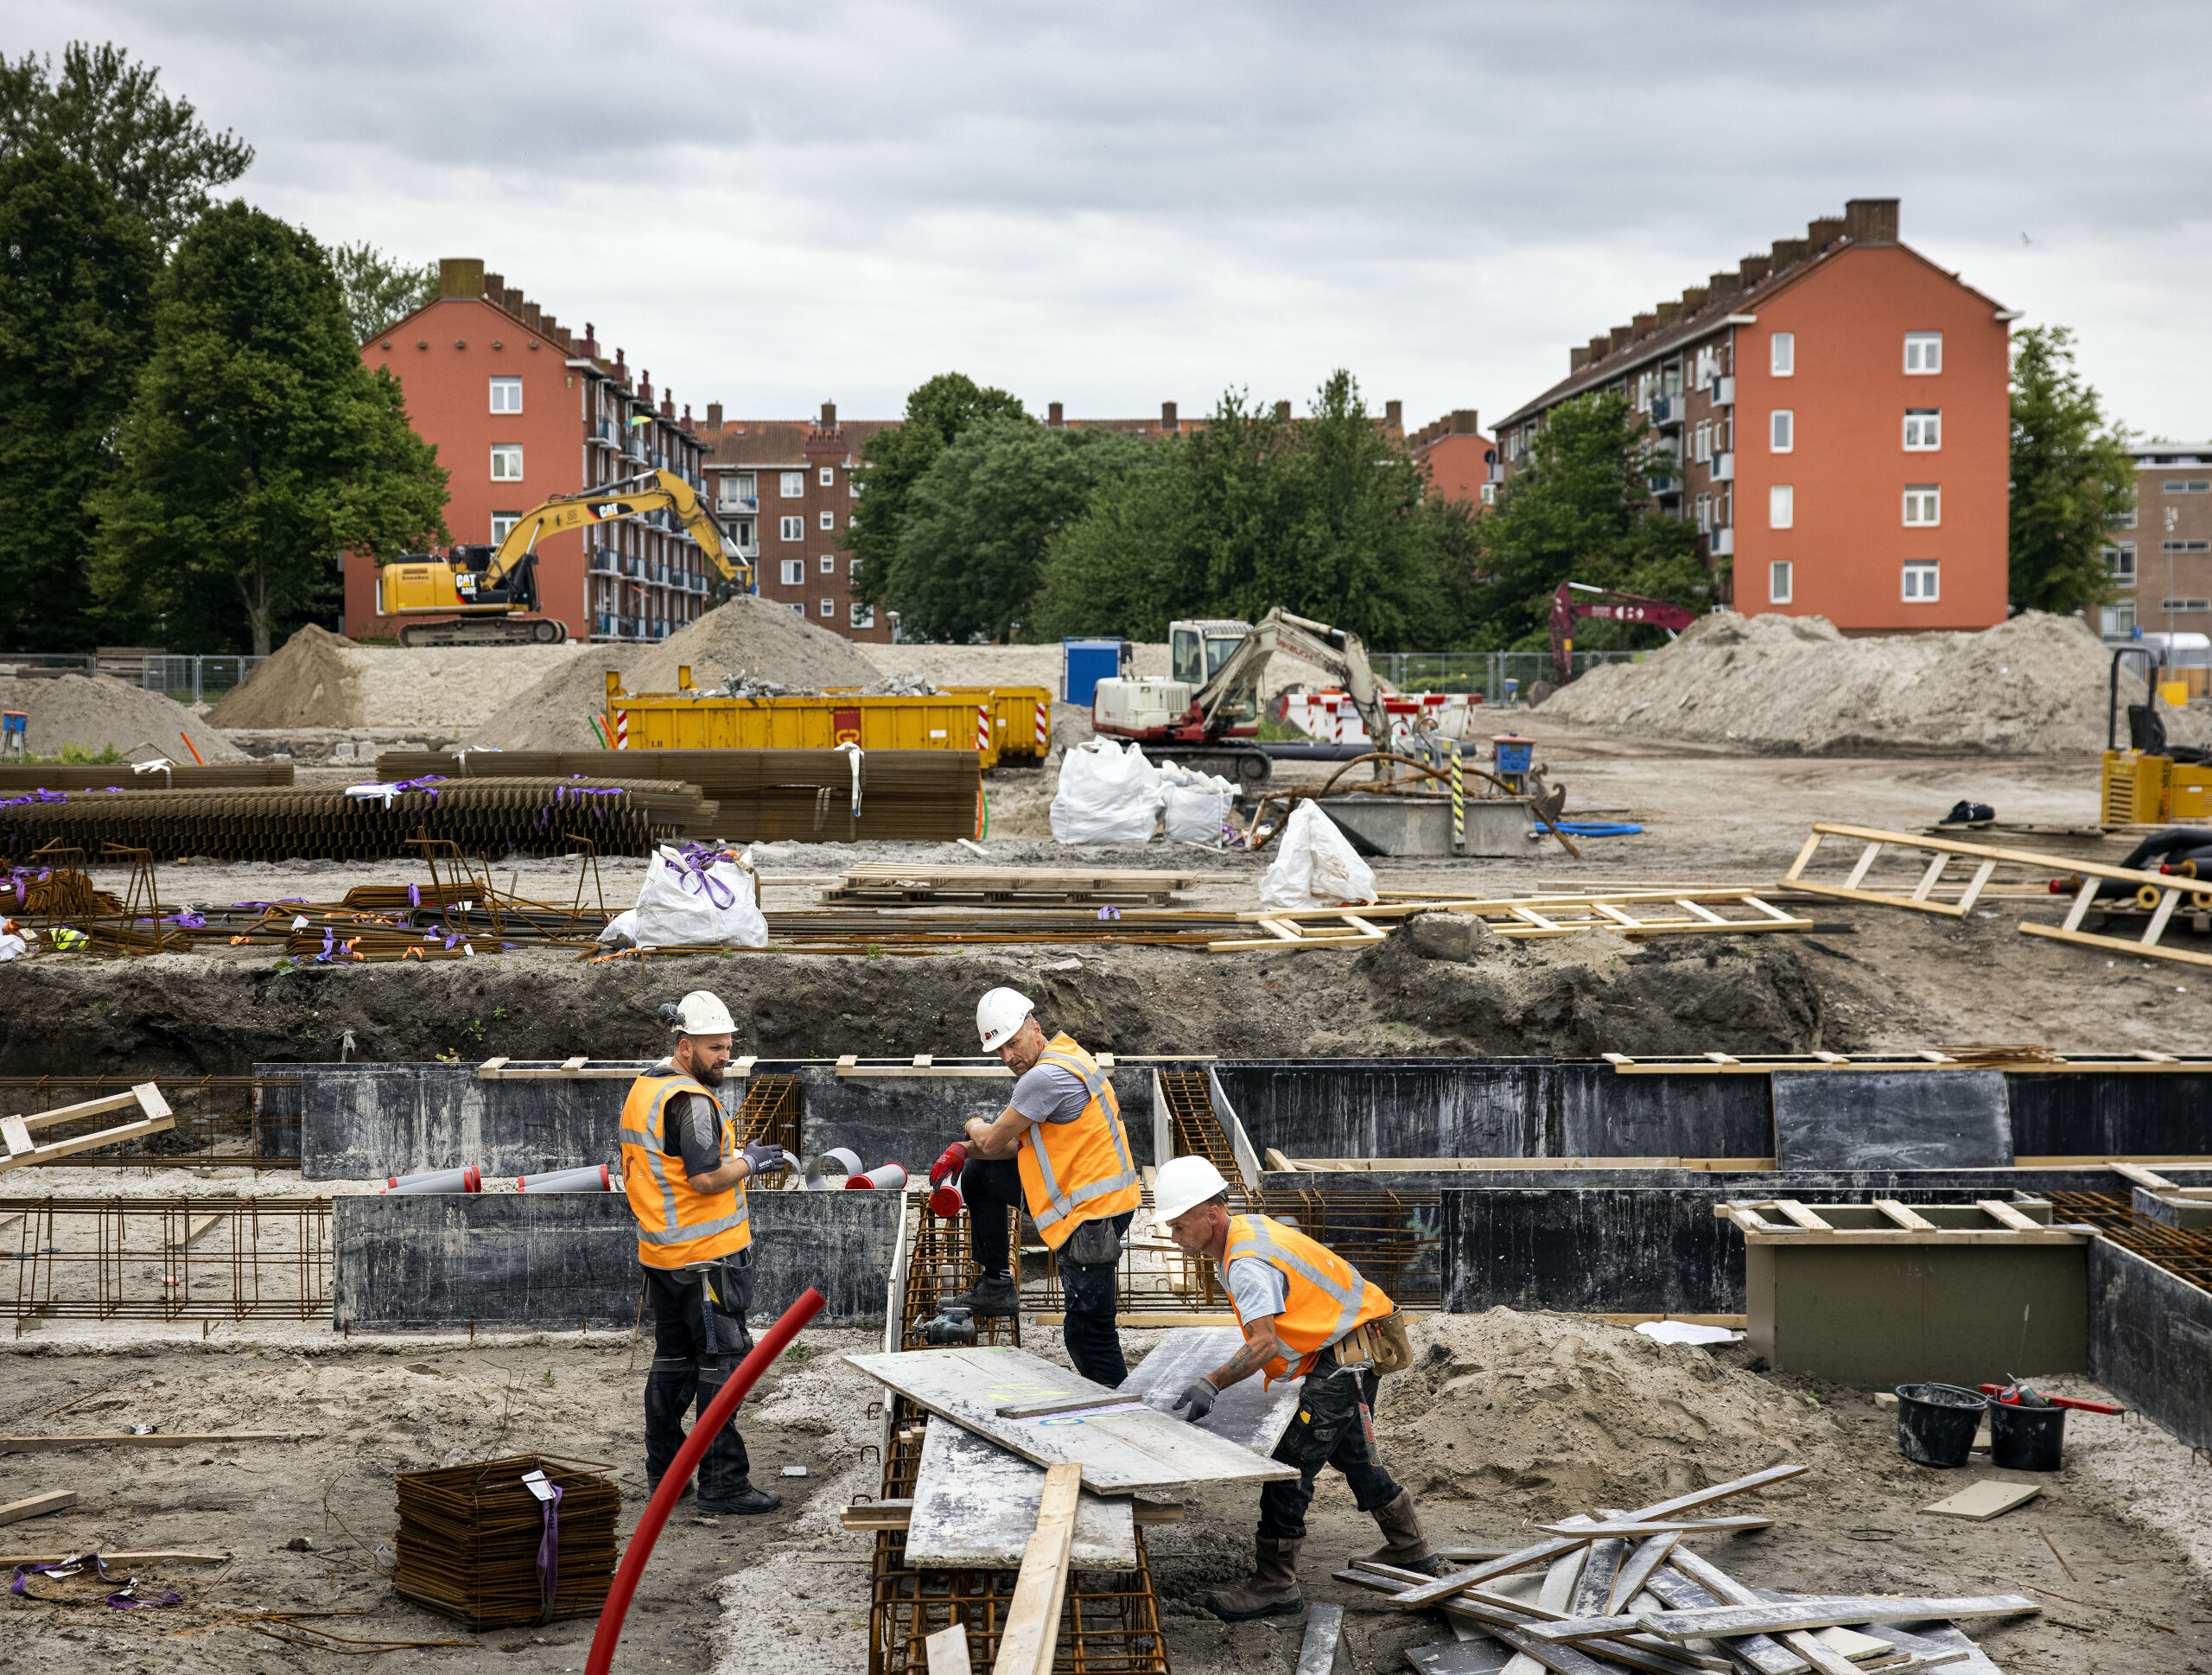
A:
x: 682, y: 1168
x: 1060, y: 1151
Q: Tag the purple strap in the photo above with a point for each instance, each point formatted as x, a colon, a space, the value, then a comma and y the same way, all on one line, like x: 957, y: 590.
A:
x: 548, y: 1554
x: 120, y: 1601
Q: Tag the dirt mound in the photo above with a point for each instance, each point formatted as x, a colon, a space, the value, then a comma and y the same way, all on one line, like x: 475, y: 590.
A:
x: 318, y: 679
x: 1786, y: 684
x: 312, y: 681
x: 100, y: 713
x: 1581, y: 1413
x: 745, y: 636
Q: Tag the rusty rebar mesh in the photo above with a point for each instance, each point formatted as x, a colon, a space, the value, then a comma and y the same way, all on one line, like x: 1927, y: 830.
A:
x: 771, y: 1113
x: 941, y: 1264
x: 470, y: 1536
x: 1197, y: 1130
x: 1395, y: 1238
x: 220, y: 1120
x: 2185, y: 1251
x: 178, y: 1259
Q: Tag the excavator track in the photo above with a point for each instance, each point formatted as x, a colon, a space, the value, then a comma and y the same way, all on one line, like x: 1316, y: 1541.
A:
x: 485, y: 631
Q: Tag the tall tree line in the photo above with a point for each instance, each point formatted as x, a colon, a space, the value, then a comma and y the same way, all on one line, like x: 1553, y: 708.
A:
x: 187, y: 438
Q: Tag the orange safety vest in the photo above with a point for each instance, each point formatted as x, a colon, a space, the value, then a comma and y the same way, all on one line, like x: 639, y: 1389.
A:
x: 677, y: 1224
x: 1081, y: 1171
x: 1325, y: 1297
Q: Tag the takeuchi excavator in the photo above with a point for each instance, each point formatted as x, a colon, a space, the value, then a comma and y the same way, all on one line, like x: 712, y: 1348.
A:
x: 484, y: 594
x: 1207, y: 722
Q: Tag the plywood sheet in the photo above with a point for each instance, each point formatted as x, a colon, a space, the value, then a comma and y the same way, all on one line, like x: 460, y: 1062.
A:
x: 1986, y: 1500
x: 1892, y: 1119
x: 975, y: 1506
x: 1122, y: 1449
x: 1247, y: 1415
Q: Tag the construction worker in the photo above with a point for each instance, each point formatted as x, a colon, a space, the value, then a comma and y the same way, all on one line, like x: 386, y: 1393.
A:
x: 1306, y: 1314
x: 681, y: 1170
x: 1060, y: 1151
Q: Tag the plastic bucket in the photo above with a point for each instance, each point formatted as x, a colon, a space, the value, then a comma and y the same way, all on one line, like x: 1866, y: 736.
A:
x: 2025, y: 1438
x: 1936, y: 1424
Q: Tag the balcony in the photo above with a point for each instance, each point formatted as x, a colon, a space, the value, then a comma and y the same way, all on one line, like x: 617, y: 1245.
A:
x: 1666, y: 411
x: 1724, y: 543
x: 738, y: 503
x: 1724, y: 391
x: 605, y: 561
x: 1724, y: 468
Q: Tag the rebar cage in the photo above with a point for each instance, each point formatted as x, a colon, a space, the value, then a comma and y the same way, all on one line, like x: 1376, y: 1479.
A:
x: 166, y: 1259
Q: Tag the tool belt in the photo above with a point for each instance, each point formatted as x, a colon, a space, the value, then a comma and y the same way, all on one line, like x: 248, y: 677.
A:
x: 1382, y: 1344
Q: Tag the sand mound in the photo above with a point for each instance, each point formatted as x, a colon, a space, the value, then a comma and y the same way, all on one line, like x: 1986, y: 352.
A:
x: 2034, y: 685
x: 745, y: 636
x: 312, y: 681
x: 101, y: 712
x: 318, y: 679
x: 1584, y: 1413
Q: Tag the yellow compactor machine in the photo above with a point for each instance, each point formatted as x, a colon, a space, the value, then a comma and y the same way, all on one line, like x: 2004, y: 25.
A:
x: 2151, y: 783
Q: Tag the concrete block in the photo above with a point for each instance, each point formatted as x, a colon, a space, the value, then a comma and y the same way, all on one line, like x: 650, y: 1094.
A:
x: 2150, y: 1342
x: 1455, y: 936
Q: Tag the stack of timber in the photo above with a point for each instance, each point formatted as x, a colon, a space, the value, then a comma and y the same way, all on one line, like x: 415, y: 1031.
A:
x: 893, y: 883
x: 16, y: 777
x: 766, y: 796
x: 495, y: 816
x: 475, y: 1541
x: 1622, y: 1590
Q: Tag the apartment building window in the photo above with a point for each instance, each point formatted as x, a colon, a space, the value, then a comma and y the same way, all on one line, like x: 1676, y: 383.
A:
x: 1704, y: 513
x: 2195, y: 485
x: 1924, y: 506
x: 2184, y: 546
x: 863, y: 616
x: 1781, y: 507
x: 743, y: 531
x: 1923, y: 429
x: 794, y: 485
x: 828, y: 565
x: 501, y: 523
x: 794, y: 572
x: 1923, y: 354
x: 2119, y: 561
x: 747, y: 486
x: 829, y: 608
x: 2119, y: 621
x: 1782, y: 429
x: 794, y: 529
x: 506, y: 395
x: 828, y: 476
x: 1782, y: 357
x: 2125, y: 520
x: 1920, y: 582
x: 1778, y: 580
x: 1701, y: 441
x: 829, y: 520
x: 1489, y: 493
x: 2172, y: 606
x: 506, y: 464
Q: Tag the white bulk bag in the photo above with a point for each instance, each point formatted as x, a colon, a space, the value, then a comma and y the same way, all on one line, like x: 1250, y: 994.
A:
x: 1315, y: 866
x: 697, y: 897
x: 1194, y: 805
x: 1107, y: 795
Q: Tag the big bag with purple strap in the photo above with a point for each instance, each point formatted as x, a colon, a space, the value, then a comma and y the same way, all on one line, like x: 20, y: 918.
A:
x: 700, y: 897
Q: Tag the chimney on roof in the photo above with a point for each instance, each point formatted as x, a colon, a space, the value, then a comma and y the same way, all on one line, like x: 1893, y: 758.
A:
x: 1462, y: 422
x: 1053, y: 417
x: 1753, y: 269
x: 1394, y: 415
x: 1168, y: 419
x: 668, y: 407
x: 510, y: 300
x: 531, y: 317
x: 1600, y: 347
x: 591, y: 340
x: 1871, y: 220
x: 1721, y: 285
x: 1282, y: 412
x: 1578, y: 357
x: 460, y: 276
x: 1696, y: 297
x: 494, y: 285
x: 1618, y: 338
x: 1669, y: 313
x: 1825, y: 231
x: 829, y: 416
x: 1786, y: 251
x: 1643, y: 324
x: 645, y: 385
x: 713, y: 416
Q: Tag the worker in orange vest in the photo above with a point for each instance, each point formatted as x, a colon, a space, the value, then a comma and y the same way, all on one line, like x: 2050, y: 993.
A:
x: 1060, y: 1151
x: 682, y: 1172
x: 1306, y: 1314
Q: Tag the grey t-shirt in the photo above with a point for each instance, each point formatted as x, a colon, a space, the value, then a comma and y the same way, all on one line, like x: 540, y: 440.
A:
x: 691, y: 1128
x: 1259, y: 1287
x: 1050, y: 1093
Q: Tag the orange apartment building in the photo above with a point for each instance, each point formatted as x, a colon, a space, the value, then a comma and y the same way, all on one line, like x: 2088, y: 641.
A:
x: 1839, y: 417
x: 1462, y: 463
x: 520, y: 409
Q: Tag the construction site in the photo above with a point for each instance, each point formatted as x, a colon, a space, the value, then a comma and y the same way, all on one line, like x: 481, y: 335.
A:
x: 1763, y: 1079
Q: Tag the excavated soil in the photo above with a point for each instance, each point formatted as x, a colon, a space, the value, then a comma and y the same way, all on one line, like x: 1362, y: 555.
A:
x: 317, y: 679
x: 100, y: 712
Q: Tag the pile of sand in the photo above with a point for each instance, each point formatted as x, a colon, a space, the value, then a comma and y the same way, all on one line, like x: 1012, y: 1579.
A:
x: 1588, y: 1414
x: 100, y: 713
x: 2034, y: 685
x: 746, y: 636
x: 318, y: 679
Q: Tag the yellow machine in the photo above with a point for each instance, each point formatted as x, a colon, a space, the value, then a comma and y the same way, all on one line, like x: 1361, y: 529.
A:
x: 1000, y: 723
x: 2150, y: 783
x: 486, y: 594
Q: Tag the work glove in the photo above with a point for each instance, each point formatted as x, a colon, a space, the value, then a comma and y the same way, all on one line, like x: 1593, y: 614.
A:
x: 760, y: 1157
x: 1199, y: 1396
x: 954, y: 1161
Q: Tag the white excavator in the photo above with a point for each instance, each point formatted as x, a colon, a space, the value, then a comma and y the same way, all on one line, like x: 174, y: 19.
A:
x: 1204, y: 716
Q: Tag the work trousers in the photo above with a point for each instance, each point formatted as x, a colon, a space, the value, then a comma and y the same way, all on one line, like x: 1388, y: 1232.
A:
x: 991, y: 1186
x: 1333, y: 1426
x: 697, y: 1343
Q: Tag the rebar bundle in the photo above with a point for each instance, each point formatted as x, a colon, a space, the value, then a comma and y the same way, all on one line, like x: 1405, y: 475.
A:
x: 483, y: 816
x: 16, y: 777
x: 807, y: 796
x: 477, y: 1544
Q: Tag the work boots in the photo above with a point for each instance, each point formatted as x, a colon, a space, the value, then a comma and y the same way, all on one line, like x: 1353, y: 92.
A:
x: 746, y: 1500
x: 1272, y: 1591
x: 993, y: 1295
x: 1407, y: 1548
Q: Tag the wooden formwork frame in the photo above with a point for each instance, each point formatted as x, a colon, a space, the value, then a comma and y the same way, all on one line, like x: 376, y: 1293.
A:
x: 1521, y: 919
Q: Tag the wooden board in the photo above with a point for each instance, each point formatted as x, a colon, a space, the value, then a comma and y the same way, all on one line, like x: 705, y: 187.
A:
x: 1247, y: 1415
x: 1876, y: 1120
x: 1483, y: 1656
x: 157, y: 1439
x: 975, y: 1506
x: 1122, y: 1450
x: 1990, y: 1498
x: 53, y: 1500
x: 1710, y: 1621
x: 10, y: 1560
x: 947, y: 1651
x: 1323, y: 1651
x: 1031, y: 1634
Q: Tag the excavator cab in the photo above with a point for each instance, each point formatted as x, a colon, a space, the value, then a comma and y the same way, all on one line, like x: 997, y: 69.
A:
x: 2151, y: 783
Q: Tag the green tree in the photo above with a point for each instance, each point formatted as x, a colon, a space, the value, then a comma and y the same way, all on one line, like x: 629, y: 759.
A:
x: 1579, y: 509
x: 2073, y: 478
x: 107, y: 113
x: 976, y: 524
x: 259, y: 449
x: 897, y: 458
x: 379, y: 290
x: 77, y: 277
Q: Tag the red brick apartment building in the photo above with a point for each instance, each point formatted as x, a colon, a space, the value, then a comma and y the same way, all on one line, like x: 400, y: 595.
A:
x: 1462, y: 463
x: 1839, y: 414
x: 521, y: 409
x: 2161, y: 555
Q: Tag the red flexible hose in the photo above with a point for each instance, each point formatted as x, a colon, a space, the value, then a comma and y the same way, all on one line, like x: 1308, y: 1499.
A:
x: 717, y: 1415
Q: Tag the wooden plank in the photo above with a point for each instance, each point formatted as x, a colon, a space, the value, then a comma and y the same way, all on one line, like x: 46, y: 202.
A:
x: 1700, y: 1527
x: 1122, y: 1449
x: 1648, y: 1556
x: 1501, y: 1617
x: 1716, y: 1622
x: 1062, y: 1404
x: 200, y: 1227
x: 1718, y: 1585
x: 89, y: 1108
x: 975, y: 1507
x: 1804, y: 1217
x: 1033, y: 1619
x: 2119, y: 944
x: 8, y: 1560
x: 494, y: 1065
x: 17, y: 1135
x: 1593, y: 1589
x: 2005, y: 1215
x: 1246, y: 1414
x: 1760, y: 1654
x: 154, y: 1439
x: 1909, y: 1220
x: 947, y: 1652
x: 1323, y: 1651
x: 107, y: 1137
x: 53, y: 1500
x: 569, y: 1067
x: 2149, y: 1180
x: 1561, y: 1582
x: 1990, y: 1498
x: 865, y: 1517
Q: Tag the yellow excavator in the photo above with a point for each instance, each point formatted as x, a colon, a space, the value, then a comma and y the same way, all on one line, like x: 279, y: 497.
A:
x: 484, y: 594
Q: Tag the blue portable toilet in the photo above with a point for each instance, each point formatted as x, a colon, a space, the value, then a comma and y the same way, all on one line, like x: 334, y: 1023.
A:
x: 1084, y: 663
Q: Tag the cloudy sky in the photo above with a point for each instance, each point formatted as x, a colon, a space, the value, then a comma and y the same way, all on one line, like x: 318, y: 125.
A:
x: 1114, y: 204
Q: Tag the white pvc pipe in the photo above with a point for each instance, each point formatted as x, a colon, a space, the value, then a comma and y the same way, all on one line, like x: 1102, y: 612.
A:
x: 591, y: 1177
x: 465, y: 1179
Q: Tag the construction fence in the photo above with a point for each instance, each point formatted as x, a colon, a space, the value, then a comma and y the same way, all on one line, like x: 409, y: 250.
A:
x: 1498, y: 676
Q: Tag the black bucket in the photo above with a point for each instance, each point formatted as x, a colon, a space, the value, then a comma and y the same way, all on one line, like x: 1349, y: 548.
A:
x: 2025, y: 1438
x: 1936, y: 1424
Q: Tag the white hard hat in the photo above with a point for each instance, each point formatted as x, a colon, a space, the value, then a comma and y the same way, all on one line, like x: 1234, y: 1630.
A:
x: 999, y: 1014
x: 701, y: 1014
x: 1183, y: 1183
